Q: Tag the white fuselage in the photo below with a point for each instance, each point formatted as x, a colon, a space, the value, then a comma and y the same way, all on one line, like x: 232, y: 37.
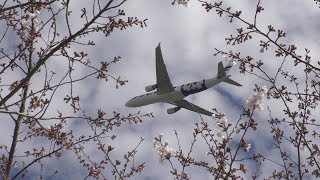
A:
x: 179, y: 92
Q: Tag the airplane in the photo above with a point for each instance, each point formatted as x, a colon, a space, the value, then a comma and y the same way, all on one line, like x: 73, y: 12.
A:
x: 165, y: 92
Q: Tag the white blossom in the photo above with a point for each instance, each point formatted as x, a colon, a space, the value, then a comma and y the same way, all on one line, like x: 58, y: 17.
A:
x: 23, y: 34
x: 221, y: 122
x: 220, y: 119
x: 247, y: 147
x: 225, y: 56
x: 302, y: 148
x: 229, y: 59
x: 31, y: 15
x: 220, y: 135
x: 164, y: 151
x: 257, y: 99
x: 160, y: 135
x: 35, y: 20
x: 25, y: 23
x: 264, y: 88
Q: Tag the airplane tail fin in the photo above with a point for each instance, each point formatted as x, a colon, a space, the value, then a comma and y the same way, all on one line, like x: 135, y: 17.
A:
x: 223, y: 71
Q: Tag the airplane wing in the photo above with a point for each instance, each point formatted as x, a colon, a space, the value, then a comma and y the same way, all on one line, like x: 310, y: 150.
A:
x: 192, y: 107
x: 163, y: 80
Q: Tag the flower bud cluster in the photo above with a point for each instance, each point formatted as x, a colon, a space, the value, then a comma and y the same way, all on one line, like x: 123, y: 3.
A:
x: 257, y: 98
x: 247, y: 147
x: 164, y: 151
x: 29, y: 23
x: 221, y: 123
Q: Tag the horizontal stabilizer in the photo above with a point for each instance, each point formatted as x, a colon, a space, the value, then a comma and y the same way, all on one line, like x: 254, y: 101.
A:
x: 230, y: 81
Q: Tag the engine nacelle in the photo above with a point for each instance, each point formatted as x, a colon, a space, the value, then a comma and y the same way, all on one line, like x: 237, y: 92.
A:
x: 173, y: 110
x: 151, y: 87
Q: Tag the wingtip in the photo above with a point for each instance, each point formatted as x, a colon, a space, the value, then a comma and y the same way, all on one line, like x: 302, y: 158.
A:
x: 159, y: 44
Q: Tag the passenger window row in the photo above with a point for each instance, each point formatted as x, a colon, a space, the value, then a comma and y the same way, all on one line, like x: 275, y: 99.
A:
x: 145, y: 94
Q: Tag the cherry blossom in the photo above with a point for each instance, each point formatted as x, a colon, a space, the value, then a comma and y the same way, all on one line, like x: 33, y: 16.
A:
x: 257, y: 98
x: 164, y: 151
x: 247, y: 147
x: 229, y: 58
x: 221, y: 123
x: 303, y: 148
x: 220, y: 135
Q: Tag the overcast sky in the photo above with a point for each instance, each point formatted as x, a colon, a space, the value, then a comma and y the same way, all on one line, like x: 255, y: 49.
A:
x: 188, y: 36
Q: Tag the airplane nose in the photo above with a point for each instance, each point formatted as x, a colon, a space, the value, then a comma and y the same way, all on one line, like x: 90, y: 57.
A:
x: 129, y: 103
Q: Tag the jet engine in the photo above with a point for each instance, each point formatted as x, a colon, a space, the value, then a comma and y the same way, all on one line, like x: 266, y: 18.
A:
x: 151, y: 87
x: 173, y: 110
